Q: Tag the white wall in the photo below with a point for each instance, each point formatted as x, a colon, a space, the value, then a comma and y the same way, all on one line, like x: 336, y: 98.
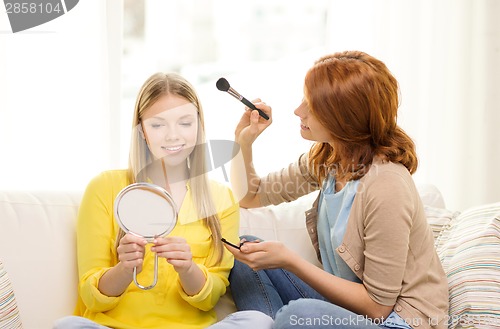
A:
x: 63, y: 118
x: 446, y: 56
x: 58, y: 92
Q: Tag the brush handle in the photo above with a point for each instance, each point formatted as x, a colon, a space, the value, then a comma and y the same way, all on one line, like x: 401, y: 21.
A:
x: 250, y: 105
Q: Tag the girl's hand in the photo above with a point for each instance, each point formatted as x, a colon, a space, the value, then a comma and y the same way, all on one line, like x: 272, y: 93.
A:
x: 131, y: 252
x: 176, y: 251
x: 263, y: 255
x: 251, y: 124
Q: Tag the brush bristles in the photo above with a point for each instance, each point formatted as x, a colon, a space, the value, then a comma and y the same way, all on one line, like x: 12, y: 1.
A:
x: 222, y: 84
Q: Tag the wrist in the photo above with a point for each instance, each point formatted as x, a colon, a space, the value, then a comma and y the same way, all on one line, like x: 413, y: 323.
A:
x: 244, y: 143
x: 292, y: 261
x: 123, y: 270
x: 189, y: 270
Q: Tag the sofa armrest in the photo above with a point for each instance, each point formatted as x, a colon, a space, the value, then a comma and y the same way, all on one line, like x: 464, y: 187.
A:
x: 38, y: 249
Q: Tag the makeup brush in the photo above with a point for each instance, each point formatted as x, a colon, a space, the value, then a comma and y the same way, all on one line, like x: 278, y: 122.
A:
x: 223, y: 85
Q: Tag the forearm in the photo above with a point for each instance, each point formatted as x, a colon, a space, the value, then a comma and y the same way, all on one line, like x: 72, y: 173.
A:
x: 349, y: 295
x: 115, y: 281
x: 244, y: 180
x: 192, y: 280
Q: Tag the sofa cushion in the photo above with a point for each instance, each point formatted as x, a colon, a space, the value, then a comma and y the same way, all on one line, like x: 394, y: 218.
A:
x: 470, y: 254
x: 9, y: 314
x: 38, y: 249
x: 439, y: 220
x: 284, y: 222
x: 431, y: 196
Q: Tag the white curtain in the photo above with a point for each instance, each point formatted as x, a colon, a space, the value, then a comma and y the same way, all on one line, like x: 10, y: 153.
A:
x: 446, y: 57
x: 59, y: 98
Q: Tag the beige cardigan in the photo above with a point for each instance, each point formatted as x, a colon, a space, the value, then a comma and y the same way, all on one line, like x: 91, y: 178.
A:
x: 388, y: 243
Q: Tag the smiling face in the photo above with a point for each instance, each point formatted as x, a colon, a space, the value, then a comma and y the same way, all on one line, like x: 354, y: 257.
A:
x: 170, y: 127
x: 310, y: 127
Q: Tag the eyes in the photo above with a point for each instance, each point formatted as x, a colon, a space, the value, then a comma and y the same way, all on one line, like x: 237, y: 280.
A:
x: 158, y: 125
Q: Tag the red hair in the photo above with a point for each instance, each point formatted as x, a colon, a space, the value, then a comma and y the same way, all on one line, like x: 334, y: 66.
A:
x: 355, y: 97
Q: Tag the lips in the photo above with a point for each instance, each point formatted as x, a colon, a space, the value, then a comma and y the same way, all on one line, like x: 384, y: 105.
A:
x: 304, y: 127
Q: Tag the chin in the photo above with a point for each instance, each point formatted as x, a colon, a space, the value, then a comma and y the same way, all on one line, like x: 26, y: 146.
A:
x: 306, y: 135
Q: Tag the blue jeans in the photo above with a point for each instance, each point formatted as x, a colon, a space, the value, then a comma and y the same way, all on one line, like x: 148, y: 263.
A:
x: 240, y: 320
x: 310, y: 314
x: 294, y: 304
x: 266, y: 291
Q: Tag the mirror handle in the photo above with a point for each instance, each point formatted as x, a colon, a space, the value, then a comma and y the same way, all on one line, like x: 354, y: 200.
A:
x: 155, y: 280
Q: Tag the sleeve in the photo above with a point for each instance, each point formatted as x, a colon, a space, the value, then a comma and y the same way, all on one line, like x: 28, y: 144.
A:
x: 389, y: 208
x: 217, y: 274
x: 95, y: 243
x: 288, y: 184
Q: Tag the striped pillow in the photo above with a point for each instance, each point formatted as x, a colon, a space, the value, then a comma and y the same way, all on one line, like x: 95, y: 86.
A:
x: 9, y: 315
x: 470, y: 254
x: 439, y: 220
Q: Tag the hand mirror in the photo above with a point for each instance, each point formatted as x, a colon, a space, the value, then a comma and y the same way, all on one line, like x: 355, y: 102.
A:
x: 148, y: 211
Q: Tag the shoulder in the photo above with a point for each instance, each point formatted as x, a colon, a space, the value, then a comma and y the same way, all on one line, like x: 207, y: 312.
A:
x: 222, y: 195
x: 386, y: 172
x: 303, y: 165
x: 388, y: 180
x: 386, y: 192
x: 219, y: 190
x: 112, y: 175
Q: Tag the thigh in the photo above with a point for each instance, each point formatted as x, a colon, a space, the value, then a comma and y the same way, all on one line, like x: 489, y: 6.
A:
x: 253, y: 290
x: 286, y: 284
x: 290, y: 287
x: 307, y: 313
x: 266, y: 290
x: 76, y: 322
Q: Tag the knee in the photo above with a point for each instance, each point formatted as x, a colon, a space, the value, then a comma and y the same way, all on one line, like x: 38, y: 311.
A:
x: 260, y: 319
x: 295, y: 308
x: 68, y: 322
x: 240, y: 271
x: 248, y: 319
x: 76, y: 322
x: 249, y: 237
x: 296, y: 312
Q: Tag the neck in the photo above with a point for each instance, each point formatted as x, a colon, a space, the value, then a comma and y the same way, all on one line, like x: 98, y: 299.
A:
x: 164, y: 175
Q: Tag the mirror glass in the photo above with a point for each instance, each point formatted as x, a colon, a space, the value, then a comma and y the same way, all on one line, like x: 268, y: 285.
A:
x: 146, y: 210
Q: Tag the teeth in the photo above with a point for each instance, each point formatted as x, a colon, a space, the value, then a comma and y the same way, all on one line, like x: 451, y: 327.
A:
x: 173, y: 148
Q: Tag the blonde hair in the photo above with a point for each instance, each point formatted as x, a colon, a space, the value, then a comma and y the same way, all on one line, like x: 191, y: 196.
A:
x: 159, y: 85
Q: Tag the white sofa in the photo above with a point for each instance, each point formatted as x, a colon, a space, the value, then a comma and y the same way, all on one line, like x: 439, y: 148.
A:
x: 38, y: 250
x: 38, y: 275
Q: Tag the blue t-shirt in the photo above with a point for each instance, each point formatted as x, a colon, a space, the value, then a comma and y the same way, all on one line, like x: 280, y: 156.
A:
x: 334, y: 209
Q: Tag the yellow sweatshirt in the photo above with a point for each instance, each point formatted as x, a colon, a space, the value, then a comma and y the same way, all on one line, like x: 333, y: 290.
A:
x: 166, y: 305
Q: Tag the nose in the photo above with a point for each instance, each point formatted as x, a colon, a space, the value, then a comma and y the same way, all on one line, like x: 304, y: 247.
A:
x: 300, y: 111
x: 171, y: 133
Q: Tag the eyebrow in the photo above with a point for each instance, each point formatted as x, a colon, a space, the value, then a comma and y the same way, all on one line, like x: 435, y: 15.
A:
x: 186, y: 116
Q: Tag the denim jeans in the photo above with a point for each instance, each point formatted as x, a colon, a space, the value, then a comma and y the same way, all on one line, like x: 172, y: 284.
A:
x: 293, y: 304
x: 266, y: 291
x: 240, y: 320
x: 305, y: 313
